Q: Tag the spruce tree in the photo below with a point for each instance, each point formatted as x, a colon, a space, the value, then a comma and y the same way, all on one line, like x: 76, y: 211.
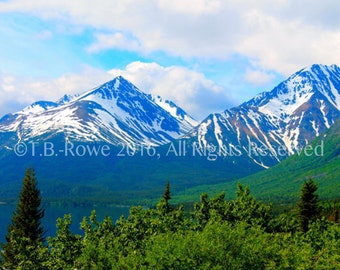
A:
x: 163, y: 205
x: 308, y: 208
x: 166, y: 194
x: 25, y: 233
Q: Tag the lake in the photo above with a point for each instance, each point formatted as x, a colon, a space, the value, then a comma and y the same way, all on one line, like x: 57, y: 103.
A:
x: 52, y: 212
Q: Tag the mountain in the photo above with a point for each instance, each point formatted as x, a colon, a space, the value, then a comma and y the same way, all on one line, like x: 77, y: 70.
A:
x: 282, y: 183
x: 276, y: 124
x: 116, y: 112
x: 84, y: 147
x: 106, y: 123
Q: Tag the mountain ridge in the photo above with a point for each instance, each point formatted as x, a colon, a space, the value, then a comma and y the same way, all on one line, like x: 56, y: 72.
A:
x: 118, y: 114
x: 115, y: 112
x: 278, y: 122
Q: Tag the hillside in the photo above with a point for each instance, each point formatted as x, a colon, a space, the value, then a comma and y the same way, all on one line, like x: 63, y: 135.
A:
x: 282, y: 182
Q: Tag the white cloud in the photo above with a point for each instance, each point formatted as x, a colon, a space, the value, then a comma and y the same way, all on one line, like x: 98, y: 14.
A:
x: 16, y: 93
x: 287, y: 46
x: 187, y: 88
x: 114, y: 41
x: 197, y: 7
x: 278, y: 37
x: 282, y: 36
x: 258, y: 77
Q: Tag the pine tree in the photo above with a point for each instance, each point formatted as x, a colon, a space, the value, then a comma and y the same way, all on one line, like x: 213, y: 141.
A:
x: 163, y: 205
x: 308, y: 208
x: 25, y: 233
x: 166, y: 194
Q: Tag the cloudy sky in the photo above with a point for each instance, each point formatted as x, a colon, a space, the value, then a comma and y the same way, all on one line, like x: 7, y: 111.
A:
x: 205, y: 55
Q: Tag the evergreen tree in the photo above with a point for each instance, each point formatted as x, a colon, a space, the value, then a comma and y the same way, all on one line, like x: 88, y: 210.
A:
x: 25, y: 233
x: 202, y: 211
x: 308, y: 208
x: 167, y: 196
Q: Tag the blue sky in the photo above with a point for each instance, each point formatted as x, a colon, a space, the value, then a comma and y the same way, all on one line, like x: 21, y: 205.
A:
x: 205, y: 55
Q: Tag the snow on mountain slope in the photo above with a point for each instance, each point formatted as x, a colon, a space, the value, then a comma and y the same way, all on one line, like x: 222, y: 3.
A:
x: 266, y: 129
x: 115, y: 112
x: 278, y: 123
x: 175, y: 111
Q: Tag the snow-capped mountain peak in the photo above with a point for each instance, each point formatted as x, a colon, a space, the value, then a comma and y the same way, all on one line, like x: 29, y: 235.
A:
x: 39, y: 106
x: 266, y: 129
x: 286, y: 118
x: 66, y: 99
x: 289, y: 95
x: 115, y: 112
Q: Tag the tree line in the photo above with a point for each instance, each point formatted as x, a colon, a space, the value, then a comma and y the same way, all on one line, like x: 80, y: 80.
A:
x: 218, y: 234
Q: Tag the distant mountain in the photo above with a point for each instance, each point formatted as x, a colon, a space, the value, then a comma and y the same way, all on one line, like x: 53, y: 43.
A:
x: 276, y: 124
x: 115, y: 112
x: 282, y: 183
x: 223, y: 148
x: 114, y: 116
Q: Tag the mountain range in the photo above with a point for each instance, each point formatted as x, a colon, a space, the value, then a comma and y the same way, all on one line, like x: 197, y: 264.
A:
x: 115, y: 112
x: 276, y: 124
x: 171, y: 145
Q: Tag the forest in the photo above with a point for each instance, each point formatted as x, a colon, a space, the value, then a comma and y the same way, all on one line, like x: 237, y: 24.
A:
x: 242, y: 233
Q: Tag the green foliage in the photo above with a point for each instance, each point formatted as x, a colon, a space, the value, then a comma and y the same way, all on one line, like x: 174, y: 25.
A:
x: 25, y: 254
x: 65, y: 247
x: 97, y: 241
x: 244, y: 209
x: 167, y: 196
x: 331, y: 209
x: 308, y: 208
x: 25, y: 233
x: 226, y: 246
x: 219, y: 234
x: 286, y: 222
x: 202, y: 210
x: 247, y: 209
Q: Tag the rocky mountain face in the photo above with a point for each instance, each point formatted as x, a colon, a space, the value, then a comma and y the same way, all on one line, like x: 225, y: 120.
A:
x: 116, y: 112
x: 276, y: 124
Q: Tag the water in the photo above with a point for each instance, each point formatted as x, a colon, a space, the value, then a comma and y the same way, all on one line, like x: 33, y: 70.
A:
x: 52, y: 212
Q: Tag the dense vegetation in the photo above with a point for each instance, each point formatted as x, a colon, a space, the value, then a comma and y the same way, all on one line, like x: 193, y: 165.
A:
x: 236, y: 234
